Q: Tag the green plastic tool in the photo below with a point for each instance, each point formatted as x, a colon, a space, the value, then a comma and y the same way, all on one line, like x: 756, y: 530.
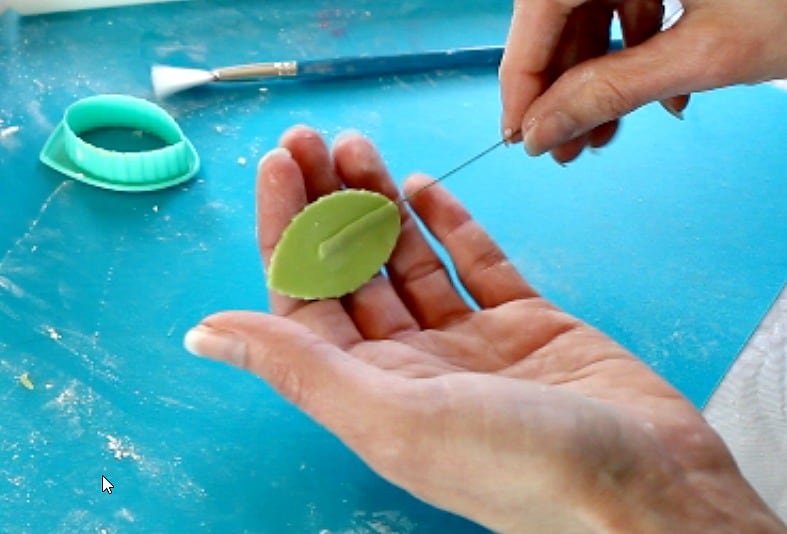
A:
x: 67, y: 152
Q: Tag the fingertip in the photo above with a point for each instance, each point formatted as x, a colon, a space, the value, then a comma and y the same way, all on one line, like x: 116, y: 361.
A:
x: 550, y: 131
x: 278, y: 153
x: 569, y: 151
x: 676, y: 105
x: 517, y: 96
x: 601, y: 135
x: 360, y: 165
x: 207, y: 342
x: 272, y: 167
x: 345, y: 136
x: 415, y: 182
x: 532, y: 148
x: 352, y: 145
x: 511, y: 135
x: 295, y: 132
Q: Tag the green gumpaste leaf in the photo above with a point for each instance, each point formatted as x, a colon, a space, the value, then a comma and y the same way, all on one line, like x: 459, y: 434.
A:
x: 334, y: 245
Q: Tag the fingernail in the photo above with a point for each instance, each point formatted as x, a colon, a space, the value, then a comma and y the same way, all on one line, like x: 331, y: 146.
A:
x: 511, y: 136
x: 215, y: 344
x: 669, y: 105
x: 345, y: 134
x: 548, y: 132
x: 364, y: 156
x: 279, y: 151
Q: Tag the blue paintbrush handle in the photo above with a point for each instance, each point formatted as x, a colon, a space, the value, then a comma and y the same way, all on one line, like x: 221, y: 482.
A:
x: 371, y: 66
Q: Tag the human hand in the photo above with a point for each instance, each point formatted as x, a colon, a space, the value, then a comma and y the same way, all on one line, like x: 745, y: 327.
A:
x: 562, y: 92
x: 515, y: 415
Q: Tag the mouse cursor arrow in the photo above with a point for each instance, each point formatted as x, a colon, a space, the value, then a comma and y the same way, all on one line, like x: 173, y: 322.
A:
x: 106, y: 485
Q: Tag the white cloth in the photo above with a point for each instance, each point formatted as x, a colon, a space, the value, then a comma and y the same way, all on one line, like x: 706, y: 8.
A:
x: 749, y: 408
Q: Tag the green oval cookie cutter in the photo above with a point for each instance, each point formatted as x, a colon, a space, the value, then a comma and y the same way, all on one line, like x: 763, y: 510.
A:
x: 66, y: 152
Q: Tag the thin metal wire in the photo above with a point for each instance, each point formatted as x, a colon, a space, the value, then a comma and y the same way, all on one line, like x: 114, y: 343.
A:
x: 452, y: 171
x: 668, y: 20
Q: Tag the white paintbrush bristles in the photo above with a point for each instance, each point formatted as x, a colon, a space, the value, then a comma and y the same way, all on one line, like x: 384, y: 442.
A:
x: 170, y: 80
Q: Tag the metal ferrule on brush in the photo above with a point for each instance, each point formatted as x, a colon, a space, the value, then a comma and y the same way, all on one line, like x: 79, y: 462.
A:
x: 252, y: 71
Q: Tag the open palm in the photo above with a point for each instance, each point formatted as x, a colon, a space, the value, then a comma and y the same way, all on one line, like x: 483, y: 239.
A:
x: 511, y: 412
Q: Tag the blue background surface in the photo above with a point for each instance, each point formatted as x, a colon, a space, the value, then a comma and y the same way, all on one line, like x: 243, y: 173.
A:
x: 672, y: 240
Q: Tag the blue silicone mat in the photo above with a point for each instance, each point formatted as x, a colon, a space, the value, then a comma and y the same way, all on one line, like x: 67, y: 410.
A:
x: 672, y: 240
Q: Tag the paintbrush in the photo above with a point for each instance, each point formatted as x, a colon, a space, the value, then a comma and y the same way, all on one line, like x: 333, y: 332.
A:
x: 170, y: 80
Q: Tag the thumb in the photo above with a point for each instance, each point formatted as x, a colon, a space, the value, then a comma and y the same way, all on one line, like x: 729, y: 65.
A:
x: 321, y: 379
x: 604, y: 89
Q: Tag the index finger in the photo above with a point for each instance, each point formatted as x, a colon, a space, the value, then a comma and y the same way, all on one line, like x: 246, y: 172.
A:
x: 536, y: 27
